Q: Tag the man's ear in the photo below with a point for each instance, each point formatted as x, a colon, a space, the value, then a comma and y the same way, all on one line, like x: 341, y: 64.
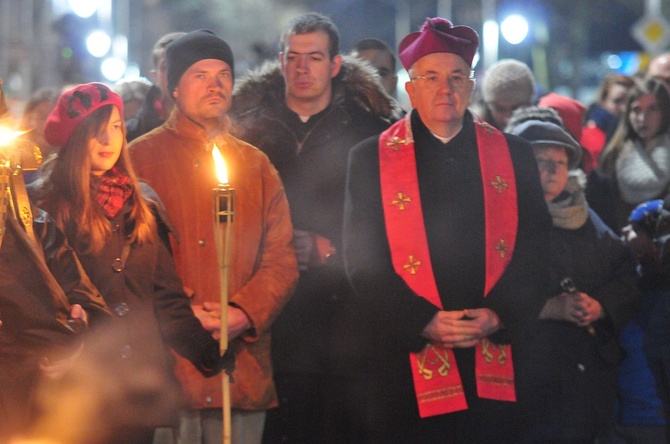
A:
x: 335, y: 66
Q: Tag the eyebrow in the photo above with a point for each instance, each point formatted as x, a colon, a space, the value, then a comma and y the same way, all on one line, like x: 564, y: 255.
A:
x: 205, y: 71
x: 455, y: 71
x: 307, y: 53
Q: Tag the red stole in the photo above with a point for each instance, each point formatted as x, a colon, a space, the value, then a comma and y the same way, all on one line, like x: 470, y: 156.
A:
x: 436, y: 379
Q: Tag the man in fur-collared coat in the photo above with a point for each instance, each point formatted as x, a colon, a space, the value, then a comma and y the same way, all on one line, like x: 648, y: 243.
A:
x: 306, y: 112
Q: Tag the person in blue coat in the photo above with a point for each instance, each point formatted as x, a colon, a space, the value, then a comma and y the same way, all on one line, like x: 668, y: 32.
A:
x: 649, y: 236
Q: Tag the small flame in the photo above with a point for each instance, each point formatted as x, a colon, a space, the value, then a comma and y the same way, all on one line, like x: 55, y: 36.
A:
x: 221, y: 171
x: 7, y: 135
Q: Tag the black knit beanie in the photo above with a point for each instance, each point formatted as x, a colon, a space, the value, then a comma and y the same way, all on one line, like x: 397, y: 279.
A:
x: 191, y: 48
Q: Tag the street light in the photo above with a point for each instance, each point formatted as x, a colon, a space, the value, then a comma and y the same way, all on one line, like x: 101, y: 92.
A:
x: 84, y: 8
x: 514, y: 29
x: 113, y: 68
x: 98, y: 43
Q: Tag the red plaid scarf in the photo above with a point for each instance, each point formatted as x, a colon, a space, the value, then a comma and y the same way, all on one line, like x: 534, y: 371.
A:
x: 111, y: 190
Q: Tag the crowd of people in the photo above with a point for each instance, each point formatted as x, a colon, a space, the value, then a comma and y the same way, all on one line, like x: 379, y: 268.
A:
x: 464, y: 271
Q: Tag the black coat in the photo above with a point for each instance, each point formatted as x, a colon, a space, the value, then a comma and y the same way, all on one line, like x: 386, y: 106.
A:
x: 575, y: 377
x: 144, y: 289
x: 452, y: 200
x: 33, y: 318
x: 148, y: 116
x: 311, y: 159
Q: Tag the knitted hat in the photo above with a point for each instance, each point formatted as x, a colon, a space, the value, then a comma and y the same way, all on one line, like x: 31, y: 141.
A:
x: 509, y: 80
x: 438, y: 35
x: 547, y: 134
x: 191, y: 48
x: 571, y: 111
x: 75, y: 105
x: 533, y: 112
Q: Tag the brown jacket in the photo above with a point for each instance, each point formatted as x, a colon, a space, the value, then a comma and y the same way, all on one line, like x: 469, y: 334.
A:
x: 176, y: 160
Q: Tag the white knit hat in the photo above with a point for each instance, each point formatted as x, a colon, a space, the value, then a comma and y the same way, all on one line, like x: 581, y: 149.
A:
x: 509, y: 80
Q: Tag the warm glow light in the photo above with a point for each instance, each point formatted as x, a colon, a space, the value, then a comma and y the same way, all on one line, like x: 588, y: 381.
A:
x: 221, y: 171
x: 8, y: 135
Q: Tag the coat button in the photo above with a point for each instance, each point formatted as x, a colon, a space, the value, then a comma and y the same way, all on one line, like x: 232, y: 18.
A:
x: 581, y: 367
x: 117, y: 265
x: 201, y: 243
x: 208, y: 400
x: 122, y: 309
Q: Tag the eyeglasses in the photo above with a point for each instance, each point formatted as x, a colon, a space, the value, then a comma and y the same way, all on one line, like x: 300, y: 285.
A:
x: 457, y: 82
x: 551, y: 165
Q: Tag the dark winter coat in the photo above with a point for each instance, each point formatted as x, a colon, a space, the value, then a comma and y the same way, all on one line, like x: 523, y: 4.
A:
x: 452, y: 201
x: 147, y: 118
x: 144, y: 287
x: 576, y: 371
x: 312, y: 162
x: 33, y: 317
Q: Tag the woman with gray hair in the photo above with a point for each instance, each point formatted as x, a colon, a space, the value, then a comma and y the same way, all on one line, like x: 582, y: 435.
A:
x: 590, y: 297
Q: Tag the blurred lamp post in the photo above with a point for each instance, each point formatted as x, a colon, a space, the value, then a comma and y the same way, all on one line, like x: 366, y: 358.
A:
x: 490, y: 34
x: 514, y: 29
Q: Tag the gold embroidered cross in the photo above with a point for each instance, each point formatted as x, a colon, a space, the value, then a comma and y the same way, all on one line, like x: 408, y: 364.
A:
x: 502, y: 248
x: 412, y: 265
x: 395, y: 143
x: 401, y: 200
x: 499, y: 184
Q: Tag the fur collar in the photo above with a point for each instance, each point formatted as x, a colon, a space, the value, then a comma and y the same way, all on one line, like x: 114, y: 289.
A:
x: 357, y: 81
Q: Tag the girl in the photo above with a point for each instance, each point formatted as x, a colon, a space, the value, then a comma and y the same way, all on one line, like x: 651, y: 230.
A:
x: 110, y: 220
x: 634, y: 167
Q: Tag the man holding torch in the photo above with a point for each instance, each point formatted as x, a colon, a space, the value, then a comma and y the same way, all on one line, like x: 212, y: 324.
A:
x: 176, y: 159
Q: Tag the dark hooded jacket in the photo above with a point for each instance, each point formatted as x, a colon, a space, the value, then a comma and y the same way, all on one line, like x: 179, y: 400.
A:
x: 149, y: 116
x: 34, y: 312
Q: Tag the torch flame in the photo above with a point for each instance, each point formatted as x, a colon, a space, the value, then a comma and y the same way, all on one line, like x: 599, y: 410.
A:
x: 221, y: 171
x: 7, y: 135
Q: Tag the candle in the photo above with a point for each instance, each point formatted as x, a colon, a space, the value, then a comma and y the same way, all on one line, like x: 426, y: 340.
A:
x: 224, y: 212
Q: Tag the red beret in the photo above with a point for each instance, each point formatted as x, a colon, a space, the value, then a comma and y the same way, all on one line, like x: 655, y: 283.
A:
x: 571, y: 112
x: 75, y: 105
x: 439, y: 35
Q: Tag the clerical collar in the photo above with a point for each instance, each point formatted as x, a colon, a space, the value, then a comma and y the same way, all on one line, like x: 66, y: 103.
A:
x: 446, y: 140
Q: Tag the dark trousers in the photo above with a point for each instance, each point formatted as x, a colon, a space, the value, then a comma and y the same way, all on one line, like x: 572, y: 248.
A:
x: 299, y: 418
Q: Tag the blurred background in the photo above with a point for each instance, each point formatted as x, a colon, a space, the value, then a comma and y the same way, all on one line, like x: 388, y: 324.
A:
x: 570, y: 45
